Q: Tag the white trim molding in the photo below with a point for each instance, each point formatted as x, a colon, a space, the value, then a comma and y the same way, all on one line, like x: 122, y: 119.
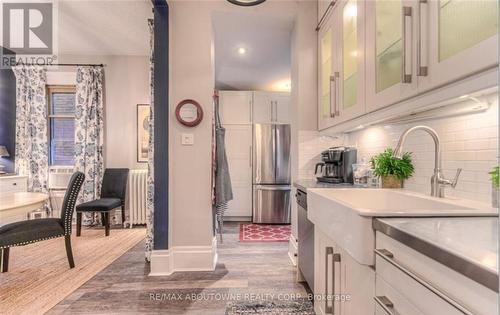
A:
x: 184, y: 258
x: 293, y: 250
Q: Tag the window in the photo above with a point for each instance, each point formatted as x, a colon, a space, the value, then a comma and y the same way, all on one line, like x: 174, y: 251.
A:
x: 61, y: 125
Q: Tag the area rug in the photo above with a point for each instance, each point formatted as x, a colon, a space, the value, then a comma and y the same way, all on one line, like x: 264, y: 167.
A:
x: 264, y: 233
x: 39, y: 276
x: 302, y: 307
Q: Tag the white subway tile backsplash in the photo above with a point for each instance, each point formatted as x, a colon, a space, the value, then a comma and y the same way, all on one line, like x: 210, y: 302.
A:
x: 468, y: 142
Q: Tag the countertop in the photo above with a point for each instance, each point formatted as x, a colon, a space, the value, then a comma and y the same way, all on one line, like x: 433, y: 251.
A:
x: 306, y: 184
x: 469, y: 245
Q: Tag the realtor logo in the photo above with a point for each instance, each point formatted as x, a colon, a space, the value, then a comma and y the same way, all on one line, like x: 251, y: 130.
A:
x: 27, y: 28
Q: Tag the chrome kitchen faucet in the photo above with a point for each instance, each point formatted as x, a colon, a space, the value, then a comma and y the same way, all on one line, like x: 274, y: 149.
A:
x: 438, y: 182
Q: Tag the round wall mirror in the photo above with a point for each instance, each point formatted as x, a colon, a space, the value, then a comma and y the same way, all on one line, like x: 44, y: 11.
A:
x: 189, y: 113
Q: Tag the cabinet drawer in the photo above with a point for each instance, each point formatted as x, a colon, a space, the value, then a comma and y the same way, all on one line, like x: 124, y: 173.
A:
x: 400, y: 305
x: 431, y: 286
x: 413, y: 291
x: 15, y: 184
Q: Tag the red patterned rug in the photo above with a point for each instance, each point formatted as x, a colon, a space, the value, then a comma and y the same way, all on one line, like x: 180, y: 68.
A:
x: 264, y: 233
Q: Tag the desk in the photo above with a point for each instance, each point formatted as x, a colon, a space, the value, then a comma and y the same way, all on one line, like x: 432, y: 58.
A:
x: 15, y: 206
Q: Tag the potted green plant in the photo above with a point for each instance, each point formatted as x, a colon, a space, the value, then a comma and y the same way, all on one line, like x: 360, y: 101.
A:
x: 391, y: 170
x: 495, y: 183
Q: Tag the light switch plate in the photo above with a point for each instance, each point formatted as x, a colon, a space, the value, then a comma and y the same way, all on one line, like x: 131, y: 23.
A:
x: 187, y: 139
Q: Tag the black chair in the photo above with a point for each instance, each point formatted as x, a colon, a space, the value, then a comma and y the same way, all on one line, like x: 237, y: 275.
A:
x: 114, y: 186
x: 31, y: 231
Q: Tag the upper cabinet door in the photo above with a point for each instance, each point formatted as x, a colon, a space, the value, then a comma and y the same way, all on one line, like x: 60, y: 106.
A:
x: 263, y: 107
x: 282, y: 108
x: 271, y: 107
x: 326, y: 57
x: 390, y: 52
x: 456, y: 39
x: 235, y: 107
x: 350, y: 67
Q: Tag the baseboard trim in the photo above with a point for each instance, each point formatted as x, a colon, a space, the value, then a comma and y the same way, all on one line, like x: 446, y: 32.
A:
x: 293, y: 250
x: 184, y: 258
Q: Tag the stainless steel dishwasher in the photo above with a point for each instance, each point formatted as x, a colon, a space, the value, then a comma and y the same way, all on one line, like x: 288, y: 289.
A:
x: 306, y: 240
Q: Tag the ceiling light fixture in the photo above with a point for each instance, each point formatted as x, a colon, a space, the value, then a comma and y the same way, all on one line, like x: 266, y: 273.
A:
x: 242, y: 51
x: 246, y: 3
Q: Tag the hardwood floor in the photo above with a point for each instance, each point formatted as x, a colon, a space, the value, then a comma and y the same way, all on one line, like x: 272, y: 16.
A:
x: 39, y: 276
x: 252, y: 270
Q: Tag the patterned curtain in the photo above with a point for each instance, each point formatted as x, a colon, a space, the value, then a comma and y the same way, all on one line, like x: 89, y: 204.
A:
x: 89, y: 132
x: 151, y: 184
x: 31, y: 126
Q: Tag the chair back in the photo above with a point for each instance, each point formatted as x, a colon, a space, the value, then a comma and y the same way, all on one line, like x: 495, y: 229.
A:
x: 69, y: 202
x: 114, y: 183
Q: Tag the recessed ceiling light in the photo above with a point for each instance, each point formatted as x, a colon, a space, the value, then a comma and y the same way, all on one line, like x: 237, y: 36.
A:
x: 242, y: 51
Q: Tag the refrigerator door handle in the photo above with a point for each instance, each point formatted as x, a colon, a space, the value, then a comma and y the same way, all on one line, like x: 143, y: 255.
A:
x: 271, y: 187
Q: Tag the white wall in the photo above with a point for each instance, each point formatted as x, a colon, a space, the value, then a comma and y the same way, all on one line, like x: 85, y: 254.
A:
x: 192, y: 76
x: 126, y: 85
x: 469, y: 142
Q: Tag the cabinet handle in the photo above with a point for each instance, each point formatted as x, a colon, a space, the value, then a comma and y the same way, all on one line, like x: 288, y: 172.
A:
x: 251, y: 110
x: 276, y: 111
x: 335, y: 259
x: 271, y: 108
x: 250, y: 160
x: 389, y: 257
x: 407, y: 43
x: 385, y: 304
x: 422, y: 63
x: 332, y: 95
x: 337, y: 93
x: 328, y: 309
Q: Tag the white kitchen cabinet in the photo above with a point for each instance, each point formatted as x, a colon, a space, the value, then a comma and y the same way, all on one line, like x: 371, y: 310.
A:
x: 416, y: 46
x: 341, y: 64
x: 239, y: 156
x: 346, y: 286
x: 271, y: 107
x: 235, y: 107
x: 430, y: 286
x: 357, y: 282
x: 349, y: 68
x: 326, y: 56
x: 390, y: 45
x: 455, y: 39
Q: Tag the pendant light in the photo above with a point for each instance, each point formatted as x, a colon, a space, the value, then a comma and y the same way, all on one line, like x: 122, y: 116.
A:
x: 246, y: 3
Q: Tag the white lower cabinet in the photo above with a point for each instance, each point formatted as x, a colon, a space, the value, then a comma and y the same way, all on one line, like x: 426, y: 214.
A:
x: 341, y: 285
x: 410, y: 281
x: 390, y: 301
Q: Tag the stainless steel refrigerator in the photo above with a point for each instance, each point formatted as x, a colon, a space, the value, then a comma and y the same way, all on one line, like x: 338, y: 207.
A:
x: 271, y: 173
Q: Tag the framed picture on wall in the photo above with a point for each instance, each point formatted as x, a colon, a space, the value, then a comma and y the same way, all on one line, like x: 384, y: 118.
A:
x: 143, y: 111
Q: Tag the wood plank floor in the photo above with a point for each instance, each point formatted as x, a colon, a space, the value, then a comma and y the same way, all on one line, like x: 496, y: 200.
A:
x: 39, y: 276
x: 124, y: 287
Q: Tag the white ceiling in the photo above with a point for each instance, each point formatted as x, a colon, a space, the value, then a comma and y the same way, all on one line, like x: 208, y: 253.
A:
x: 267, y: 40
x: 104, y: 27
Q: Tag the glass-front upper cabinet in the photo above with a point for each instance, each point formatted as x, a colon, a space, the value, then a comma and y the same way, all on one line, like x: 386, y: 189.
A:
x: 456, y: 38
x: 326, y: 56
x: 390, y: 47
x: 350, y: 67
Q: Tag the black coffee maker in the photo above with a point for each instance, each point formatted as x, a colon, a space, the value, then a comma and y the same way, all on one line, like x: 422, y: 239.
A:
x: 336, y: 165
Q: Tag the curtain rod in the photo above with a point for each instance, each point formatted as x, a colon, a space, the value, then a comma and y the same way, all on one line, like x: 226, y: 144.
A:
x: 64, y: 64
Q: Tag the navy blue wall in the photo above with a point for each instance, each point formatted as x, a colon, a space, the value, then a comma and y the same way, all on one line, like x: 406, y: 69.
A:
x: 8, y: 116
x: 161, y: 124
